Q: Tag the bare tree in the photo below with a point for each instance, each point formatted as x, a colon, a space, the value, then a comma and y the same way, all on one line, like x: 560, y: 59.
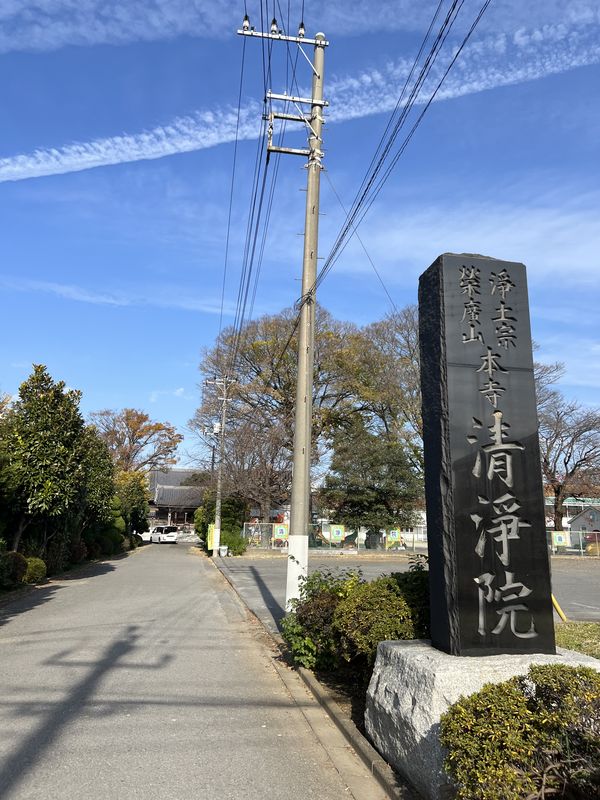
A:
x: 258, y: 466
x: 570, y: 449
x: 135, y: 441
x: 392, y: 393
x: 5, y: 401
x: 260, y: 414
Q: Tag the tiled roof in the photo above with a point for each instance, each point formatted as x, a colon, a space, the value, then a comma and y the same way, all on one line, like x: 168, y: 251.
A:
x: 178, y: 496
x: 172, y: 477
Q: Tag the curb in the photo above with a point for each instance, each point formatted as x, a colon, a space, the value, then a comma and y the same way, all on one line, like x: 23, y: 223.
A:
x: 380, y: 769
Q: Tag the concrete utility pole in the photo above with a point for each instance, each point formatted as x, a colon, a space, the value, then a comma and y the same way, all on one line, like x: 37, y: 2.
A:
x: 300, y: 505
x: 300, y: 511
x: 222, y: 384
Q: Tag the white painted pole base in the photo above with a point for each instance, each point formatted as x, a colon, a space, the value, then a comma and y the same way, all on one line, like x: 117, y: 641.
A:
x: 297, y: 567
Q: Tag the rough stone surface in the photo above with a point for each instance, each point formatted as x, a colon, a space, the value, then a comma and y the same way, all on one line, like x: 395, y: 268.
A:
x: 413, y: 684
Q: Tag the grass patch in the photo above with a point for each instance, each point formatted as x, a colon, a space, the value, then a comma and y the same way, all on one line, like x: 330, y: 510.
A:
x: 581, y: 636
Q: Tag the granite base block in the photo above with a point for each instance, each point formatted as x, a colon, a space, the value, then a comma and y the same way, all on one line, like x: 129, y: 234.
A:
x: 413, y: 684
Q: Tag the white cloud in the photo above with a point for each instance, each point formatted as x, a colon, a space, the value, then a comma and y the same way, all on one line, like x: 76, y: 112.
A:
x: 490, y: 62
x: 179, y: 393
x: 168, y: 297
x: 559, y: 242
x: 487, y: 63
x: 50, y: 24
x: 66, y: 291
x: 182, y: 135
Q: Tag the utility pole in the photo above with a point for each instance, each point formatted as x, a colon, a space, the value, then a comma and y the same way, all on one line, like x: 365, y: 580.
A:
x: 222, y: 384
x: 300, y: 502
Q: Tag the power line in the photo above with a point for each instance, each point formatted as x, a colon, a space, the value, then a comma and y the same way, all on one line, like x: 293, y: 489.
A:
x: 233, y: 170
x: 258, y: 226
x: 362, y: 244
x: 364, y: 202
x: 371, y: 175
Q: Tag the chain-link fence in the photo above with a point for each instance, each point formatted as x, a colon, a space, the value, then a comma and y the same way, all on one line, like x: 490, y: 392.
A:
x: 574, y: 542
x: 274, y: 536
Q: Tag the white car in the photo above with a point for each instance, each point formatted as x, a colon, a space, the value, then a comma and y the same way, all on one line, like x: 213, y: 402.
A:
x: 164, y: 533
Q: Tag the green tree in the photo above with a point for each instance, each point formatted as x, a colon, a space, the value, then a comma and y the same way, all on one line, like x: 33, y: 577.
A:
x: 98, y: 486
x: 372, y: 482
x: 41, y: 436
x: 135, y: 441
x: 233, y: 514
x: 132, y: 491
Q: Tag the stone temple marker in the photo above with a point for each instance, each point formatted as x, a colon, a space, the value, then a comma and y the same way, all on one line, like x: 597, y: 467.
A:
x: 488, y: 556
x: 491, y: 606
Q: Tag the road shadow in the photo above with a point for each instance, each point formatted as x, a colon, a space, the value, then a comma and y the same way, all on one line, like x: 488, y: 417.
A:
x: 31, y: 598
x: 86, y: 571
x: 26, y: 754
x: 271, y: 602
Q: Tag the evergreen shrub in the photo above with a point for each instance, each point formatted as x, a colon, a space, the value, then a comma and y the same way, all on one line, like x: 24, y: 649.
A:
x: 309, y: 630
x: 373, y: 612
x: 36, y: 570
x: 16, y: 567
x: 111, y: 542
x: 4, y: 567
x: 413, y: 586
x: 234, y: 540
x: 57, y: 555
x: 531, y: 737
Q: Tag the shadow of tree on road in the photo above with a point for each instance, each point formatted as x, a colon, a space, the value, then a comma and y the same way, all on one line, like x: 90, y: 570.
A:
x: 30, y: 597
x: 36, y: 596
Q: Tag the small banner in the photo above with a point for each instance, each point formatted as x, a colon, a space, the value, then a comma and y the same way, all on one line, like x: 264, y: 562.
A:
x: 280, y: 534
x: 337, y: 533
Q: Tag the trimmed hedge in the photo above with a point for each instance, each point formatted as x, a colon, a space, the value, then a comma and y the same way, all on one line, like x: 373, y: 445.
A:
x: 530, y: 737
x: 309, y: 630
x: 236, y: 543
x: 374, y: 612
x: 36, y: 570
x: 15, y: 567
x: 340, y: 618
x: 414, y: 588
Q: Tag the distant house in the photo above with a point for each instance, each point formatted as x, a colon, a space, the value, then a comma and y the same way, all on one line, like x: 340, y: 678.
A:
x: 586, y: 520
x: 572, y: 507
x: 170, y: 500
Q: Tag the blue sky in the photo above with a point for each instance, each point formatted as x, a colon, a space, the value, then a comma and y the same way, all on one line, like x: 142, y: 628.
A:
x: 116, y: 150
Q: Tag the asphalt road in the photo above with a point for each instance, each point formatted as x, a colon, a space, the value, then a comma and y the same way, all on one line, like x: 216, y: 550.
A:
x: 261, y: 581
x: 145, y: 678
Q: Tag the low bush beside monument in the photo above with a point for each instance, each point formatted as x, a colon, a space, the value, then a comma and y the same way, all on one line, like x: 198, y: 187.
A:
x: 533, y: 736
x: 486, y: 737
x: 340, y: 618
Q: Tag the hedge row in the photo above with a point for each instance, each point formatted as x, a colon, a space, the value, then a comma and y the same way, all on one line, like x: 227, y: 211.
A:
x: 340, y: 618
x: 16, y: 569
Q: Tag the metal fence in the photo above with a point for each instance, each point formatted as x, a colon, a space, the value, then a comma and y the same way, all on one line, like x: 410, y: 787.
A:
x: 274, y: 536
x: 579, y: 543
